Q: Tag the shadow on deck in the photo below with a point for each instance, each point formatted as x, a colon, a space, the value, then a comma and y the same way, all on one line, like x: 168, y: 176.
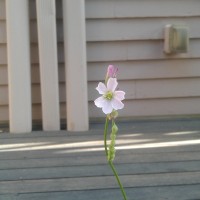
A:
x: 155, y: 159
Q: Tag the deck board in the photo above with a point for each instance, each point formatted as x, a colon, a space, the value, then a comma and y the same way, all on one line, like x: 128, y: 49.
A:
x: 155, y: 160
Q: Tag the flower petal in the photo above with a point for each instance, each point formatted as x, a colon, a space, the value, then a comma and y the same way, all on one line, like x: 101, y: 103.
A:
x: 120, y: 95
x: 99, y: 102
x: 117, y: 104
x: 101, y: 88
x: 107, y: 107
x: 112, y: 84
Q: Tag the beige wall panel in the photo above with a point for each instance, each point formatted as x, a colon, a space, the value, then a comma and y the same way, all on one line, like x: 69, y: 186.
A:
x: 157, y: 88
x: 2, y: 9
x: 4, y: 114
x: 147, y: 8
x: 135, y: 50
x: 37, y: 113
x: 126, y: 8
x: 2, y: 31
x: 33, y: 31
x: 34, y: 53
x: 153, y: 107
x: 165, y: 88
x: 125, y: 29
x: 3, y: 54
x: 140, y: 89
x: 35, y: 56
x: 34, y: 35
x: 3, y: 75
x: 36, y: 93
x: 36, y: 74
x: 3, y: 95
x: 148, y: 69
x: 136, y: 29
x: 33, y: 9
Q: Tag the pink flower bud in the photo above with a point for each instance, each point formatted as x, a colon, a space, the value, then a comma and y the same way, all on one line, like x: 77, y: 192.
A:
x: 112, y: 71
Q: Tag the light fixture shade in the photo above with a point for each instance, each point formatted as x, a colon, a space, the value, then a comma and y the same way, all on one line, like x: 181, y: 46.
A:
x: 176, y: 39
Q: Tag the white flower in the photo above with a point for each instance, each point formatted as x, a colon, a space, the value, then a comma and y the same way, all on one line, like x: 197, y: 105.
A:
x: 110, y: 98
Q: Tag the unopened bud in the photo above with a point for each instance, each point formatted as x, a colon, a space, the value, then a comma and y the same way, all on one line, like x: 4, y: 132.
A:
x: 111, y: 72
x: 113, y: 115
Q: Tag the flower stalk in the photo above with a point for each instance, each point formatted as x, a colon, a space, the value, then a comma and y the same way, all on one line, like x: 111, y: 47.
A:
x: 110, y: 161
x: 110, y: 102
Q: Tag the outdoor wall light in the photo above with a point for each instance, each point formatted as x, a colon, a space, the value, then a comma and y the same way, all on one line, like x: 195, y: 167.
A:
x: 176, y: 39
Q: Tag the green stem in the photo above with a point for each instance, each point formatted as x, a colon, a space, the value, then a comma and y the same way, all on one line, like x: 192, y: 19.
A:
x: 118, y: 180
x: 110, y: 162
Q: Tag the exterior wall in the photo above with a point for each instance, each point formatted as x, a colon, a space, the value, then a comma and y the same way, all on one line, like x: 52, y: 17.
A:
x: 3, y: 66
x: 128, y: 34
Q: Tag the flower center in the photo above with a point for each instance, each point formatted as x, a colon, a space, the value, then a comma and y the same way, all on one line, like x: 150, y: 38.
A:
x: 108, y: 95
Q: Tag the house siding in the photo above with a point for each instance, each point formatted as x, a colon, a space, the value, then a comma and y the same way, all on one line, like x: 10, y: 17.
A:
x: 3, y: 66
x: 128, y: 34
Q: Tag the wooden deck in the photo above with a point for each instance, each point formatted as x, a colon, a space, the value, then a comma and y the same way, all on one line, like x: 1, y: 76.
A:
x: 156, y: 160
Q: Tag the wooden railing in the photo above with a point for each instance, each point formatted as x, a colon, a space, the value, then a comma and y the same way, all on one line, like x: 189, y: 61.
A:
x: 20, y: 114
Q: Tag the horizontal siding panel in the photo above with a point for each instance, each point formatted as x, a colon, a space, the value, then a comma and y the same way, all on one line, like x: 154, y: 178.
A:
x: 125, y: 29
x: 158, y: 88
x: 37, y: 111
x: 3, y: 54
x: 4, y: 114
x: 153, y: 107
x: 136, y: 29
x: 127, y: 70
x: 2, y: 9
x: 34, y: 34
x: 149, y: 69
x: 166, y: 88
x: 32, y: 9
x: 135, y: 50
x: 144, y: 8
x: 35, y: 55
x: 140, y: 89
x: 126, y: 8
x: 3, y: 95
x: 34, y: 31
x: 35, y: 73
x: 36, y: 93
x: 3, y: 31
x: 3, y: 75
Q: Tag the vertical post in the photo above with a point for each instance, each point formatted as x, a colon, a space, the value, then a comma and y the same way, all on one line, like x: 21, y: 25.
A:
x: 75, y: 61
x: 46, y: 16
x: 18, y: 48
